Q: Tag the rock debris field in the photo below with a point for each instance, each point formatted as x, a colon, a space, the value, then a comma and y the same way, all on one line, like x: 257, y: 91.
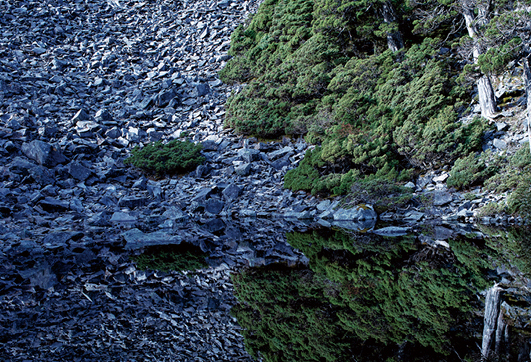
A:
x: 82, y: 82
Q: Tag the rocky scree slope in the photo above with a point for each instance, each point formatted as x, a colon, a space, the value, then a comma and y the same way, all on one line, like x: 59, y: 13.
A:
x: 81, y: 84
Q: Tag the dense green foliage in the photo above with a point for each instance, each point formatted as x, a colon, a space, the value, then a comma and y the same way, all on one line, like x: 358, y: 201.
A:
x: 515, y: 174
x: 499, y: 173
x: 362, y: 300
x: 472, y: 170
x: 171, y: 257
x: 173, y: 157
x: 321, y: 68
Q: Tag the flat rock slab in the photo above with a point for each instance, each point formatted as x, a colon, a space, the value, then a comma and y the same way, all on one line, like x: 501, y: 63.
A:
x: 136, y: 239
x: 441, y: 198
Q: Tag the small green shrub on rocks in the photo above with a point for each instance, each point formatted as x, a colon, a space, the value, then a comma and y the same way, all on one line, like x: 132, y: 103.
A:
x: 171, y: 158
x: 171, y: 257
x: 519, y: 201
x: 471, y: 170
x: 513, y: 170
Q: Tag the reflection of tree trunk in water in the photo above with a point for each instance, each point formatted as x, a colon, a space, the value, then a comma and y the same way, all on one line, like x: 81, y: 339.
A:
x: 527, y: 79
x: 394, y: 40
x: 494, y: 328
x: 523, y: 353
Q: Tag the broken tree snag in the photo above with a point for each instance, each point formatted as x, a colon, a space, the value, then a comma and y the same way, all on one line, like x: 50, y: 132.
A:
x: 487, y: 99
x: 394, y: 39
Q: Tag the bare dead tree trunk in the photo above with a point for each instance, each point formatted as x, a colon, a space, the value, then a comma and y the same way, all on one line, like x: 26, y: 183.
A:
x: 394, y: 39
x: 487, y: 99
x: 527, y: 79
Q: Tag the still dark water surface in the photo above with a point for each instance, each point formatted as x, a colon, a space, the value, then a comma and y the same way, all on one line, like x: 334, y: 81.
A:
x: 296, y: 292
x: 416, y: 297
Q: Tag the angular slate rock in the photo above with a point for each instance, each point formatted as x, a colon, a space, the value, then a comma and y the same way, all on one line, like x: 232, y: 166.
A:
x: 214, y: 206
x: 103, y: 116
x: 441, y: 198
x: 243, y: 170
x: 122, y: 217
x: 231, y: 192
x: 359, y: 226
x: 203, y: 194
x: 52, y: 205
x: 78, y: 171
x: 164, y: 98
x: 133, y: 202
x: 81, y: 115
x: 249, y: 155
x: 285, y: 151
x: 114, y: 133
x: 101, y: 219
x: 40, y: 174
x: 174, y: 214
x: 280, y: 163
x: 202, y: 89
x: 392, y: 231
x: 43, y: 153
x: 137, y: 239
x: 214, y: 225
x: 57, y: 238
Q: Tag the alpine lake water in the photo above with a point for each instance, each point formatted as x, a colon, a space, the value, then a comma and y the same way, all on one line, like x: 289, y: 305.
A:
x: 361, y: 292
x: 294, y: 291
x: 434, y: 293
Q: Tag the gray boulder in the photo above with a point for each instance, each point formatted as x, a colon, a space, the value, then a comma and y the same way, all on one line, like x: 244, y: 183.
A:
x: 78, y: 171
x: 214, y: 206
x: 137, y: 239
x: 243, y: 170
x: 358, y: 212
x: 249, y: 155
x: 43, y: 153
x: 441, y: 198
x: 231, y: 192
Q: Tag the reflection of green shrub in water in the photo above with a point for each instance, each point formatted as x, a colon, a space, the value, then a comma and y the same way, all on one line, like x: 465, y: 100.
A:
x: 286, y: 317
x: 510, y: 247
x: 363, y: 298
x: 171, y: 257
x: 394, y: 289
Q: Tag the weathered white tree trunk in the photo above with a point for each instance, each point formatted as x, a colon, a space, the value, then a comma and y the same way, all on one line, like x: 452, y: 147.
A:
x: 487, y: 99
x: 527, y: 79
x: 394, y: 40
